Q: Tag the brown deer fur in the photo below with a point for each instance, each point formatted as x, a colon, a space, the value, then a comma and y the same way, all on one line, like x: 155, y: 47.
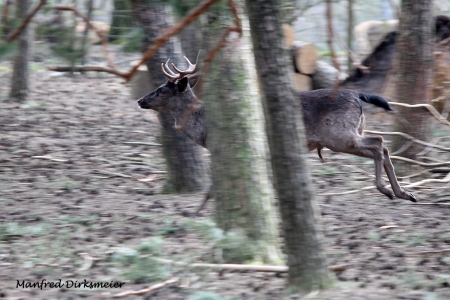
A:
x: 333, y: 119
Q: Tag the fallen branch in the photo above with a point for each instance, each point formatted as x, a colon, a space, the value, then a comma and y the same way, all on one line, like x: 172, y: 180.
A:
x: 142, y: 144
x: 27, y: 20
x: 49, y: 158
x: 112, y: 174
x: 432, y: 203
x: 147, y: 290
x: 239, y: 267
x: 432, y: 252
x: 88, y: 261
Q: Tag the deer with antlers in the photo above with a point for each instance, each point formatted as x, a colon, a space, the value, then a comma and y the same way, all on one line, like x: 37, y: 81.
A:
x: 333, y: 119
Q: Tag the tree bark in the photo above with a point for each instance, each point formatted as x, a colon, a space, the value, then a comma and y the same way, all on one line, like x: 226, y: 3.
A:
x: 243, y: 193
x: 19, y: 84
x: 299, y: 211
x: 350, y: 26
x: 330, y: 40
x: 413, y: 72
x: 185, y: 167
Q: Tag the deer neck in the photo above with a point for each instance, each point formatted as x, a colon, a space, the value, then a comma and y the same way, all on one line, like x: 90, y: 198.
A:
x: 193, y: 125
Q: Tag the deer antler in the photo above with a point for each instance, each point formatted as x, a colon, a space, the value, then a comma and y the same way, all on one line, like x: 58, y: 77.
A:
x: 172, y: 75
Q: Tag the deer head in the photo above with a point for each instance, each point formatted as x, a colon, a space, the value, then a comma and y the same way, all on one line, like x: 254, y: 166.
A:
x: 175, y: 95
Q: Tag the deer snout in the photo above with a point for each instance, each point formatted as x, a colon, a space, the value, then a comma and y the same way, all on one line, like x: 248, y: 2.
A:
x: 143, y: 103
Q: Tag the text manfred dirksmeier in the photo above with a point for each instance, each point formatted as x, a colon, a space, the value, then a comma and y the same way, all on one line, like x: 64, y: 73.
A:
x: 77, y: 284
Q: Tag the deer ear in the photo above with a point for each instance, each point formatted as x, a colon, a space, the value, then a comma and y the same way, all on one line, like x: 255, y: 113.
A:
x: 193, y: 80
x: 182, y: 84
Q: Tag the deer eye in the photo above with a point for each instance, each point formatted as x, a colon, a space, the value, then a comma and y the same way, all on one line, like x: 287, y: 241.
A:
x: 163, y: 92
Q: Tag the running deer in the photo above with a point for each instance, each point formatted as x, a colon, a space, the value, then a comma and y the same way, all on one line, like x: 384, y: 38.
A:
x: 333, y: 119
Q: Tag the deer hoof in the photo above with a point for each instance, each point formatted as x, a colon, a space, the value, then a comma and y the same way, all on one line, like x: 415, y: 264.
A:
x: 412, y: 197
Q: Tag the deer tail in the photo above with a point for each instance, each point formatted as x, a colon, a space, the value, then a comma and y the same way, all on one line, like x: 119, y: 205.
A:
x: 375, y: 100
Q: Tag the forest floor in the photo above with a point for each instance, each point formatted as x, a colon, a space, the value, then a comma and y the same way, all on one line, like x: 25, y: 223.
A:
x: 80, y: 179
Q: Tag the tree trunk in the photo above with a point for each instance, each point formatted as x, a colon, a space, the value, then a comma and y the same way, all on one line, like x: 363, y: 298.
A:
x: 19, y: 85
x: 413, y: 72
x: 350, y: 26
x: 298, y: 207
x: 330, y: 40
x: 243, y: 193
x: 185, y: 168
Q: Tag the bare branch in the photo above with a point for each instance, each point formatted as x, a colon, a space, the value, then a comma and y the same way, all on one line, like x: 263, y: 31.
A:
x: 86, y: 69
x: 97, y: 31
x: 24, y: 24
x: 411, y: 138
x: 430, y: 108
x: 168, y: 33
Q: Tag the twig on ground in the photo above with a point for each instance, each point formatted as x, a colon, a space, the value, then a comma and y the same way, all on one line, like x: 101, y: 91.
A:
x: 112, y: 174
x: 432, y: 252
x: 147, y: 290
x: 142, y: 144
x: 88, y: 261
x: 434, y: 203
x: 47, y: 157
x: 239, y: 267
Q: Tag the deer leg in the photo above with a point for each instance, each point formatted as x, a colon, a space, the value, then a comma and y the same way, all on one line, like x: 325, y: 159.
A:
x: 389, y: 168
x: 372, y: 147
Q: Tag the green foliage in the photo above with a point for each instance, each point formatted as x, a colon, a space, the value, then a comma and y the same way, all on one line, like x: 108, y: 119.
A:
x: 121, y: 19
x: 139, y: 265
x: 182, y: 8
x: 206, y: 296
x: 11, y: 230
x: 233, y: 246
x: 7, y: 48
x: 65, y: 43
x: 132, y: 40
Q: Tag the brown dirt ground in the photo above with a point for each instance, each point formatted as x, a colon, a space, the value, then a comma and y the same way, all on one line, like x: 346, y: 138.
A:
x: 55, y: 210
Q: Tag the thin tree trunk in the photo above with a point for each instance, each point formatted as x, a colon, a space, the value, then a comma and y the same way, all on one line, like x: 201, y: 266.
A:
x: 243, y: 193
x: 413, y: 72
x: 19, y: 84
x: 299, y: 211
x: 330, y: 40
x: 90, y: 6
x: 349, y: 35
x: 185, y: 167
